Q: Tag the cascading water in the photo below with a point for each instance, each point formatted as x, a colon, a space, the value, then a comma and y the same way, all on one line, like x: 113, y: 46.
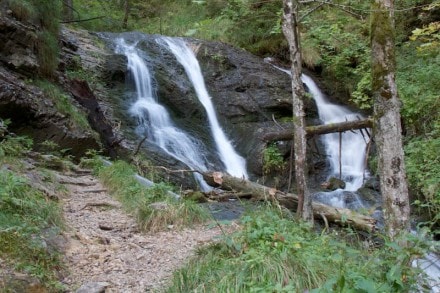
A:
x: 353, y: 144
x: 154, y: 120
x: 350, y: 159
x: 235, y: 165
x: 353, y: 150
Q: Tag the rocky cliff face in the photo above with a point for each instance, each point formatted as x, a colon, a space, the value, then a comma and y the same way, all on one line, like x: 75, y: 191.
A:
x: 31, y: 111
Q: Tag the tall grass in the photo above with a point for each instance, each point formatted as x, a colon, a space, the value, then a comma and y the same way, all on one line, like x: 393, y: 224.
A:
x: 137, y: 199
x: 275, y: 254
x: 25, y: 215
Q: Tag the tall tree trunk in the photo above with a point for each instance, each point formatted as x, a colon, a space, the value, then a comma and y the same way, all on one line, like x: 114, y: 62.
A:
x: 291, y: 32
x: 127, y: 12
x: 388, y: 129
x: 67, y: 10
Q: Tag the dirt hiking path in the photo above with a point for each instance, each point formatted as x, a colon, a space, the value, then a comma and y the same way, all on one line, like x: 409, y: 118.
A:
x: 105, y: 250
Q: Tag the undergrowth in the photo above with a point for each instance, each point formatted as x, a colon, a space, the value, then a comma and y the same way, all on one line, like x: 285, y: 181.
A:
x: 276, y: 254
x: 27, y: 217
x: 153, y: 208
x: 64, y: 104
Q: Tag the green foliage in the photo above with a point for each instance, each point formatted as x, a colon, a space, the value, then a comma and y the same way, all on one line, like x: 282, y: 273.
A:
x: 24, y: 214
x: 272, y: 159
x: 49, y: 12
x: 419, y: 87
x: 64, y: 104
x: 423, y: 171
x: 137, y: 199
x: 275, y: 254
x: 12, y: 146
x: 342, y: 44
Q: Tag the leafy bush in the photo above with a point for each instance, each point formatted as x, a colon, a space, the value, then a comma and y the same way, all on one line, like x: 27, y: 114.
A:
x: 423, y: 170
x: 275, y: 254
x: 419, y: 87
x: 272, y: 159
x: 22, y: 9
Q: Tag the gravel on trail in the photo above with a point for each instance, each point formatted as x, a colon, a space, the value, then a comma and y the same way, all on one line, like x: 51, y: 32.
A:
x: 105, y: 248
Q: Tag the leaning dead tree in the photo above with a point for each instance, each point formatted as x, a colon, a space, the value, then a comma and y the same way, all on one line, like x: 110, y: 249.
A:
x: 259, y: 192
x: 287, y: 134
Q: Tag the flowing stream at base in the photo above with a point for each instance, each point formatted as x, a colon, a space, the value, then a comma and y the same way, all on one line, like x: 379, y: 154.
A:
x: 234, y: 163
x: 154, y: 120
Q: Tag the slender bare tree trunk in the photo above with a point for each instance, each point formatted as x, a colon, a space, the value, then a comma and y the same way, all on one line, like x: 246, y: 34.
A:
x: 291, y: 32
x: 127, y: 12
x: 67, y: 10
x: 388, y: 129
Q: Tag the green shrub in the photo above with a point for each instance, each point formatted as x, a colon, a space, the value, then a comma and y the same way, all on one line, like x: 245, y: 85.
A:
x: 423, y: 170
x: 14, y: 146
x: 272, y: 159
x: 48, y: 51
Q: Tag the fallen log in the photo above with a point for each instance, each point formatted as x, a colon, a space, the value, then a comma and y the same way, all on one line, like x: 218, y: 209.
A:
x: 287, y: 134
x: 289, y: 200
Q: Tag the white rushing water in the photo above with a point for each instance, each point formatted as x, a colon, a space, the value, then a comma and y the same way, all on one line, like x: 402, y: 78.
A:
x: 346, y: 153
x: 353, y: 144
x: 235, y: 164
x: 353, y: 149
x: 154, y: 120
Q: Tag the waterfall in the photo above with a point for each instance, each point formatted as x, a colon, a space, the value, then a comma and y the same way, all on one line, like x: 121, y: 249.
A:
x: 235, y: 164
x: 154, y: 120
x: 353, y: 144
x: 353, y: 150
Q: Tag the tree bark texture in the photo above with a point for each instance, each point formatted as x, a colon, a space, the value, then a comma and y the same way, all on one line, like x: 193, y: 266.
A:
x: 67, y: 10
x: 260, y: 192
x: 291, y: 32
x: 387, y: 128
x: 287, y: 134
x: 126, y: 13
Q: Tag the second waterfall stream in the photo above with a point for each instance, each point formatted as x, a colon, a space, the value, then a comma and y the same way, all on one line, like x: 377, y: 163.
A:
x: 234, y: 163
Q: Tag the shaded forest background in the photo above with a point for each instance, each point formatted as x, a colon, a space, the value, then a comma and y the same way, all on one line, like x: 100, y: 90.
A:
x: 336, y: 48
x: 335, y: 45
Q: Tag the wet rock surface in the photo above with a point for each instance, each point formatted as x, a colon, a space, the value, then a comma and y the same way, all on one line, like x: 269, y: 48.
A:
x: 249, y: 95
